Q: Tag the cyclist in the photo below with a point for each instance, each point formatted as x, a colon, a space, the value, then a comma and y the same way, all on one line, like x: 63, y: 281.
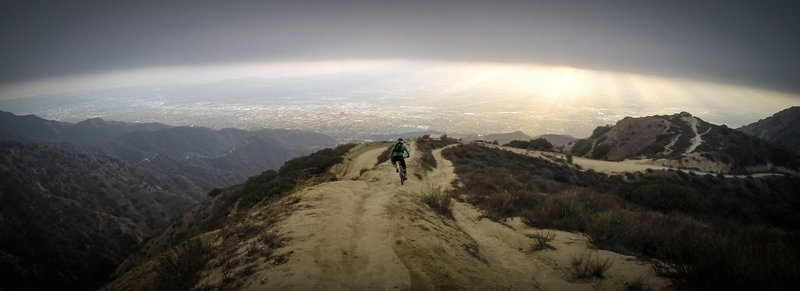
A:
x: 397, y: 155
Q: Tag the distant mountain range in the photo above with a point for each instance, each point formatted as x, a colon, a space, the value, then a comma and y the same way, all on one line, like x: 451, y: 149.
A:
x: 504, y: 138
x: 77, y: 199
x: 209, y: 158
x: 85, y: 136
x: 66, y: 220
x: 684, y: 141
x: 782, y: 128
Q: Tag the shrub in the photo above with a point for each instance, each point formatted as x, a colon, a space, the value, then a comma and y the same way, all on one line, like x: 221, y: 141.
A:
x: 748, y: 259
x: 542, y: 241
x: 557, y: 211
x: 295, y: 174
x: 722, y: 244
x: 179, y: 269
x: 588, y: 265
x: 438, y: 201
x: 214, y: 192
x: 620, y: 230
x: 539, y: 144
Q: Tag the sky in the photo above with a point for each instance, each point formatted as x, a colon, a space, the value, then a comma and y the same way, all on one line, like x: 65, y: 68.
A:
x: 747, y: 43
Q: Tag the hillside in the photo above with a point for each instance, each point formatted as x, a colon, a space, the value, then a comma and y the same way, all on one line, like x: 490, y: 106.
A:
x: 557, y: 139
x: 214, y: 158
x: 483, y: 217
x: 782, y: 128
x: 362, y: 230
x: 684, y: 141
x: 208, y: 158
x: 504, y: 138
x: 66, y: 220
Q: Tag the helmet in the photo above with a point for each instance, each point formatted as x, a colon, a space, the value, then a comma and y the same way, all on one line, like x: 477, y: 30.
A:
x: 400, y: 140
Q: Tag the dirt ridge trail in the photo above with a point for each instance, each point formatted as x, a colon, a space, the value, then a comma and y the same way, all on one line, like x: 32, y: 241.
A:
x: 368, y: 232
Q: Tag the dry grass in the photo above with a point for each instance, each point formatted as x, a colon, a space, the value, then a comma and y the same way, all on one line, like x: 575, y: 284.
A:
x: 542, y: 241
x: 439, y: 201
x: 589, y: 265
x: 179, y: 268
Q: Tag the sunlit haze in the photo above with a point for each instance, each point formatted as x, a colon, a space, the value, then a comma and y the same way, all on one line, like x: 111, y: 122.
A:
x: 351, y: 99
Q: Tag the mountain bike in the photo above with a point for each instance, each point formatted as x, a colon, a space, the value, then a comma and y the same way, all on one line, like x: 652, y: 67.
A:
x: 402, y: 171
x: 402, y: 174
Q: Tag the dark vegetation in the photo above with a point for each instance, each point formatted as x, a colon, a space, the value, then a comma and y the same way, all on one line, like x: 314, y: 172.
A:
x: 67, y: 220
x: 537, y: 144
x: 583, y: 146
x: 742, y: 150
x: 299, y: 172
x: 683, y: 131
x: 707, y: 232
x: 426, y: 145
x: 780, y: 129
x: 179, y: 269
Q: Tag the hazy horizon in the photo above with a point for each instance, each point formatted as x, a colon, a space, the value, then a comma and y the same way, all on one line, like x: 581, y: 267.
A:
x: 354, y: 99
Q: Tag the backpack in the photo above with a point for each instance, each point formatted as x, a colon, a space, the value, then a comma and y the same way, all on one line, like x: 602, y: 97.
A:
x: 398, y: 148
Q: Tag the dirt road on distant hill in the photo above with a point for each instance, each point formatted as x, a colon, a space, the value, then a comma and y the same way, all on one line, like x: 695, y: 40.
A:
x: 368, y: 232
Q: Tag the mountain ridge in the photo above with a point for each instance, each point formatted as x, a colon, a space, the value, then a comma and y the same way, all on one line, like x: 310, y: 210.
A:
x: 209, y: 158
x: 684, y: 141
x: 782, y: 128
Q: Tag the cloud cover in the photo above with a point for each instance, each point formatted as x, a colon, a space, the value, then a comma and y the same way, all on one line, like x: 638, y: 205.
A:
x: 748, y: 42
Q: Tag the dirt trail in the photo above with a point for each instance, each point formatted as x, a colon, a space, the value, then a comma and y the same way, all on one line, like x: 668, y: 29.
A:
x: 697, y: 139
x: 608, y: 167
x: 368, y: 232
